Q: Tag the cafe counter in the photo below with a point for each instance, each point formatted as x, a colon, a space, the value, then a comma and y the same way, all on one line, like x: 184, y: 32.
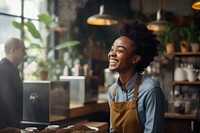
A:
x: 94, y: 114
x: 84, y: 110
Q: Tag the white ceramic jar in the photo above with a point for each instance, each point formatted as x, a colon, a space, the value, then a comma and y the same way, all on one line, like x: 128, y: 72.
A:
x: 180, y: 74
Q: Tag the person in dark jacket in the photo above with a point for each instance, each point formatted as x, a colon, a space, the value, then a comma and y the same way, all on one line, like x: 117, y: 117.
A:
x: 11, y: 88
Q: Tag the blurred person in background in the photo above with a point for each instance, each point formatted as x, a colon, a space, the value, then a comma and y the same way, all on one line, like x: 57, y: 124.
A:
x: 136, y: 101
x: 11, y: 87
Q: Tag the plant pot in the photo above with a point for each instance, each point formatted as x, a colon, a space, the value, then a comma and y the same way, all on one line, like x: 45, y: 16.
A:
x: 170, y: 48
x: 195, y: 47
x: 184, y: 46
x: 43, y: 75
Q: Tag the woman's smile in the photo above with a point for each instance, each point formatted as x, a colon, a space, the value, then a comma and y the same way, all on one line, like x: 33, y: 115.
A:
x: 112, y: 61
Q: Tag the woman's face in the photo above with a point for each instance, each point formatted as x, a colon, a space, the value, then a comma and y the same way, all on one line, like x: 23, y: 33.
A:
x: 121, y: 55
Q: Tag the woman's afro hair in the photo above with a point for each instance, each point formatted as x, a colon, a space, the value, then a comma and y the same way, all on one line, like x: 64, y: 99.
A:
x: 144, y: 39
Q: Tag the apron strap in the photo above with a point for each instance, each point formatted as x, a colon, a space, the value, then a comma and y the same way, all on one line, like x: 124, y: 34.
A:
x: 114, y: 93
x: 137, y: 84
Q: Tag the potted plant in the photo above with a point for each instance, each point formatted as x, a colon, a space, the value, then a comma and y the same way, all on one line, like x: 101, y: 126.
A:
x: 183, y: 33
x: 168, y: 40
x: 36, y: 45
x: 194, y: 38
x: 38, y: 51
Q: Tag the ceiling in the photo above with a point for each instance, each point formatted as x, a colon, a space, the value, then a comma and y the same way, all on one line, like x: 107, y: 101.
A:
x: 178, y: 7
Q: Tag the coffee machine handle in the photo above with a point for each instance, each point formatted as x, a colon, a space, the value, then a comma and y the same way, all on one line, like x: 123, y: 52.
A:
x: 33, y: 97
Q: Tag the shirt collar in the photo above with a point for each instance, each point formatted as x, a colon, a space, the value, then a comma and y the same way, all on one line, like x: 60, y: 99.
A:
x: 129, y: 84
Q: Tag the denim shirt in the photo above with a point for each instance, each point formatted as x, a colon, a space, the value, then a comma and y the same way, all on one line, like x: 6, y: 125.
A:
x: 150, y: 102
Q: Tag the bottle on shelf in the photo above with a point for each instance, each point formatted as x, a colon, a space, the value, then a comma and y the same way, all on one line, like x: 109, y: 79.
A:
x: 187, y: 104
x: 171, y: 108
x: 194, y: 103
x: 66, y: 71
x: 179, y: 105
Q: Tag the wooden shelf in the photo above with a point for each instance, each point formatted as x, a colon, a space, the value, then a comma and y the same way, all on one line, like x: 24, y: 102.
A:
x: 180, y: 116
x: 175, y: 122
x: 186, y: 83
x: 185, y: 54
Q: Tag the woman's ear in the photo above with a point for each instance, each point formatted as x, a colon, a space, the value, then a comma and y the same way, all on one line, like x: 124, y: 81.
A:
x: 136, y: 59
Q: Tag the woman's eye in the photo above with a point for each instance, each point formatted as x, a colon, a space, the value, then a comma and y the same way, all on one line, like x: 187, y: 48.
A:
x: 119, y: 50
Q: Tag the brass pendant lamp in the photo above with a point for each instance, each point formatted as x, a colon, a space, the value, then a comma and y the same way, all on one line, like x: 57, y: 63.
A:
x: 159, y: 25
x: 101, y: 19
x: 196, y: 5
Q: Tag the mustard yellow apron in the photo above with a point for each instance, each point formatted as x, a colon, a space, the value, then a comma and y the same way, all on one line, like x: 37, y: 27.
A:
x: 124, y: 115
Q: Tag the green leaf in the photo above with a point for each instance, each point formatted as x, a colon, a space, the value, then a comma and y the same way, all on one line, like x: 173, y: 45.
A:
x: 27, y: 39
x: 17, y: 25
x: 31, y: 59
x: 36, y: 46
x: 45, y: 18
x: 32, y: 29
x: 67, y: 44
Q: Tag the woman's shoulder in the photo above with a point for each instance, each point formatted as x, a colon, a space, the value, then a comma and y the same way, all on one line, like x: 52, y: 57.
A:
x: 149, y: 86
x: 148, y: 82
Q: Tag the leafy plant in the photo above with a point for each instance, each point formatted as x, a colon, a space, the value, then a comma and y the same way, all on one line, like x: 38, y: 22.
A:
x: 169, y: 35
x: 37, y: 47
x: 194, y: 34
x: 183, y: 33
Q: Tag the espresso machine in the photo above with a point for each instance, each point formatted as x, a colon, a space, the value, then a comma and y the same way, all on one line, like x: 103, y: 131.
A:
x: 45, y: 102
x: 83, y: 89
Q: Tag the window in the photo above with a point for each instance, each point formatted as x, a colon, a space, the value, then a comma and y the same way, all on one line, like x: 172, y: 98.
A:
x: 13, y: 7
x: 10, y: 11
x: 7, y: 31
x: 34, y: 7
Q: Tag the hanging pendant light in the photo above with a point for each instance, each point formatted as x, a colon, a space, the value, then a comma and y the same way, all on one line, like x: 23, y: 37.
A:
x: 101, y: 19
x: 55, y: 26
x: 196, y: 5
x: 159, y: 25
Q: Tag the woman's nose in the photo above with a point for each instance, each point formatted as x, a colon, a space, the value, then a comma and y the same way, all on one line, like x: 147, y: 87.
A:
x: 111, y: 53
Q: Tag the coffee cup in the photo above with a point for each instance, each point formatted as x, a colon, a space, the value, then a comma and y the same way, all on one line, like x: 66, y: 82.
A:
x: 53, y: 127
x: 26, y: 131
x: 34, y: 129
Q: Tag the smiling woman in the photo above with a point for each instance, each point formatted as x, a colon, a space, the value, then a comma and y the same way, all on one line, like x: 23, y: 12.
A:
x: 120, y: 53
x: 136, y: 101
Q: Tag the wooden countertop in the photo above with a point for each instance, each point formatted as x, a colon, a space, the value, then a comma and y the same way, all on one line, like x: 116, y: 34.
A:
x: 78, y: 110
x: 81, y: 110
x: 180, y: 116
